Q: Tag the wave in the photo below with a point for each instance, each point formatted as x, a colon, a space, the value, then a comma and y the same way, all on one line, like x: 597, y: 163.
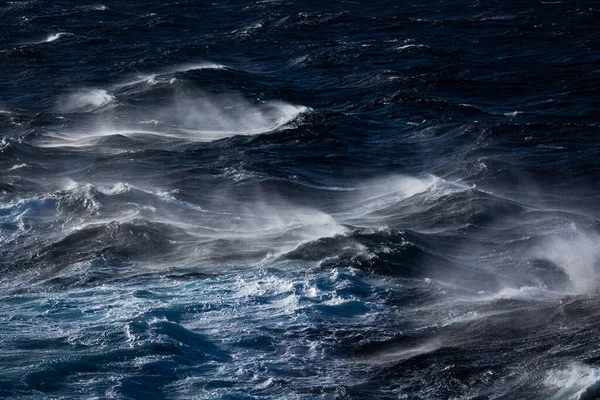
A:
x: 93, y: 7
x: 214, y: 118
x: 247, y: 30
x: 177, y: 114
x: 576, y: 254
x: 135, y: 240
x: 53, y: 37
x: 89, y: 222
x: 400, y: 226
x: 204, y: 118
x: 173, y: 227
x: 85, y: 100
x: 410, y: 46
x: 153, y: 78
x: 577, y: 381
x: 195, y: 66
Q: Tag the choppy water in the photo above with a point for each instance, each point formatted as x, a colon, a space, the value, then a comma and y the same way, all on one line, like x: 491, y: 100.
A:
x: 300, y: 200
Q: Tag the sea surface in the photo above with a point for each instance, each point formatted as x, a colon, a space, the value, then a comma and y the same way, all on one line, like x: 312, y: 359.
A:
x: 287, y: 199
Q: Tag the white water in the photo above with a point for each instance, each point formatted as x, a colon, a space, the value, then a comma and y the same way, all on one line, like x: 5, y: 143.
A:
x: 84, y: 100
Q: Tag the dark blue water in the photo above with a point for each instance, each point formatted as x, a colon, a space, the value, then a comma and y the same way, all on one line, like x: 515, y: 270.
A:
x: 300, y: 200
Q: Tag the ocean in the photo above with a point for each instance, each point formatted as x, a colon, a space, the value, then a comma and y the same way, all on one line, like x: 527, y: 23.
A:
x: 288, y: 199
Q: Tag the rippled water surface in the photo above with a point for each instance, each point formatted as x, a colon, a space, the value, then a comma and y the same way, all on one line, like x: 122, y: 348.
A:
x: 300, y: 200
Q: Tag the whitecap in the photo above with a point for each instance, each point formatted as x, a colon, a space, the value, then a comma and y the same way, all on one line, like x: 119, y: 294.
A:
x: 571, y: 382
x: 578, y: 254
x: 200, y: 119
x: 204, y: 122
x: 94, y: 7
x: 196, y: 66
x: 85, y: 100
x: 246, y: 30
x: 18, y: 166
x: 55, y: 36
x: 513, y: 114
x: 154, y: 78
x: 377, y: 194
x: 408, y: 46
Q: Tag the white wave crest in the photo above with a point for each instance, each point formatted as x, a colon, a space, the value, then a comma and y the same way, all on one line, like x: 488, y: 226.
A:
x: 578, y: 255
x: 155, y: 77
x: 196, y: 66
x: 85, y: 100
x: 55, y: 36
x: 200, y: 119
x: 210, y: 118
x: 571, y: 382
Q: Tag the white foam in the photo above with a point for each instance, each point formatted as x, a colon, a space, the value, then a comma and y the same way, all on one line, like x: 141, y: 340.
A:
x: 266, y: 227
x: 578, y: 254
x: 196, y: 66
x: 55, y: 36
x: 397, y: 187
x: 277, y: 226
x: 408, y: 46
x: 523, y: 292
x: 17, y: 166
x: 206, y: 120
x: 85, y: 100
x: 513, y: 114
x: 379, y: 193
x: 572, y: 381
x: 203, y: 119
x: 137, y: 80
x: 153, y: 78
x: 95, y: 7
x: 246, y: 30
x: 200, y: 120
